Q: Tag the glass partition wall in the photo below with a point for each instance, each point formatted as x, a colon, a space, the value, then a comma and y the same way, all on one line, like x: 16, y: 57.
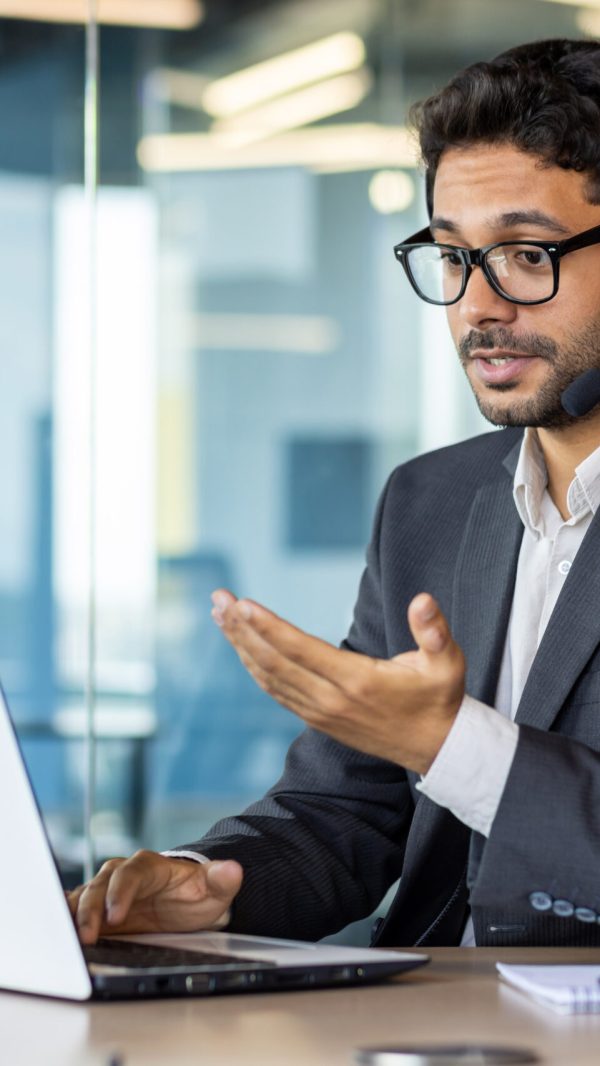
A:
x: 260, y: 366
x: 42, y: 88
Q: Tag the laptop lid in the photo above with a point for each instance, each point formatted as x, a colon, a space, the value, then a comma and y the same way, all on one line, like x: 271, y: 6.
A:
x: 40, y: 949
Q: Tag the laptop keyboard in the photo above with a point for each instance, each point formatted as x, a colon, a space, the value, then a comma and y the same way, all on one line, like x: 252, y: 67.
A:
x: 138, y: 955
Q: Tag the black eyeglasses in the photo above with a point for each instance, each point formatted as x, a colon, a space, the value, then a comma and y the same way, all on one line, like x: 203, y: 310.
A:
x: 524, y: 272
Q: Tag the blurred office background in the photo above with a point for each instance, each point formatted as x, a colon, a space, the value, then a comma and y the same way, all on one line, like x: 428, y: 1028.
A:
x: 261, y: 365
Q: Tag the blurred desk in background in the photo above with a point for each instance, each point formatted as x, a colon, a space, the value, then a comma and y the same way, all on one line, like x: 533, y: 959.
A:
x: 131, y: 721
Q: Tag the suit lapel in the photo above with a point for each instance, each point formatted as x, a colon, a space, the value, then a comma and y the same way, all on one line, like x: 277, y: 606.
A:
x: 483, y: 592
x: 572, y: 635
x: 481, y: 600
x: 482, y: 595
x: 484, y: 582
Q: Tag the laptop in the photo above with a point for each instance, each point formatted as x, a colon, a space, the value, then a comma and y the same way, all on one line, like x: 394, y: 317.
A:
x: 41, y: 952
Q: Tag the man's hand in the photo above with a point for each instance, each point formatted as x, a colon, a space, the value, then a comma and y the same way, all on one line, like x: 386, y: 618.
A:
x: 400, y: 709
x: 150, y: 893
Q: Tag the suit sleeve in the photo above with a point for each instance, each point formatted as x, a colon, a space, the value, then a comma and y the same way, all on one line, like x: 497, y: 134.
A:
x: 540, y: 867
x: 325, y: 843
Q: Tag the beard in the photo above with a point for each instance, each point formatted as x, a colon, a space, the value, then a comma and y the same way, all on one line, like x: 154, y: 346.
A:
x: 544, y: 410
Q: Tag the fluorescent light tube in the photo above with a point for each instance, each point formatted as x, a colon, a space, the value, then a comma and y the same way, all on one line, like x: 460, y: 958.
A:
x: 348, y: 146
x: 160, y: 14
x: 588, y: 21
x: 246, y: 88
x: 583, y: 4
x: 298, y: 109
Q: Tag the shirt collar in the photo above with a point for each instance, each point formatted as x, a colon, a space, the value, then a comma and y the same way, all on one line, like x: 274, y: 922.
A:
x: 584, y: 490
x: 530, y: 482
x: 531, y: 479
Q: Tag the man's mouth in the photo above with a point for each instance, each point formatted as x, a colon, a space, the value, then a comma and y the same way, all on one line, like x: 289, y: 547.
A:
x: 497, y: 367
x: 501, y: 357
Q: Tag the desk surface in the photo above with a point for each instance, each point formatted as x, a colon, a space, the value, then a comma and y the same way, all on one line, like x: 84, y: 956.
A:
x: 456, y: 998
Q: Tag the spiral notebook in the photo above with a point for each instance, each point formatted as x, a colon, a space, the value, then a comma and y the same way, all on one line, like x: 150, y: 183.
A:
x: 565, y: 989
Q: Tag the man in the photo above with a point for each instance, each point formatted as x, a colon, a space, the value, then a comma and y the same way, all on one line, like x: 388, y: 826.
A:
x: 480, y: 601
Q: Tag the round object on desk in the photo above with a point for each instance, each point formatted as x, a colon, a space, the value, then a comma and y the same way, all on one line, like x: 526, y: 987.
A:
x: 445, y: 1055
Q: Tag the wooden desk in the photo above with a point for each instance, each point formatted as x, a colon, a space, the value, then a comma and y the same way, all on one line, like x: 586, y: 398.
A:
x: 456, y: 998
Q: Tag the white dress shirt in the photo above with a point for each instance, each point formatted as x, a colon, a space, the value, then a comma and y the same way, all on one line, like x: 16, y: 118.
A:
x: 470, y: 771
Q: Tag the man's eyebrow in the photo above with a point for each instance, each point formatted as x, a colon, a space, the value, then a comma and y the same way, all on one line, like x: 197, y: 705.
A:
x: 438, y: 222
x: 507, y: 220
x: 532, y: 217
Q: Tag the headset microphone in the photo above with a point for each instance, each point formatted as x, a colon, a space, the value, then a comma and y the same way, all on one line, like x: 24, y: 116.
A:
x: 582, y: 394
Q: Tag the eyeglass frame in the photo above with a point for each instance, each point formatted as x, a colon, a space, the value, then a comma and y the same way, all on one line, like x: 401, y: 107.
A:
x: 472, y: 257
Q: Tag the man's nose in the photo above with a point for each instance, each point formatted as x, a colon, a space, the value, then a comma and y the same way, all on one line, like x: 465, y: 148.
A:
x: 481, y: 306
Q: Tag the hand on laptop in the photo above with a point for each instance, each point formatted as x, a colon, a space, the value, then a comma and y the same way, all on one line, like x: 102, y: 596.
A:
x: 150, y: 893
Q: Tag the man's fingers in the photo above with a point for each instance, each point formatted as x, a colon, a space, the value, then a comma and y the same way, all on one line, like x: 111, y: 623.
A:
x: 292, y: 685
x: 223, y: 879
x: 428, y: 626
x: 148, y: 879
x: 109, y: 896
x: 138, y: 876
x: 438, y: 652
x: 150, y: 893
x: 309, y: 653
x: 221, y: 600
x: 72, y: 897
x: 90, y: 903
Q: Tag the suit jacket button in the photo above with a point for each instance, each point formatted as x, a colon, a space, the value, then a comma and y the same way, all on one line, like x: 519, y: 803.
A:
x: 563, y: 908
x: 585, y: 914
x: 540, y: 901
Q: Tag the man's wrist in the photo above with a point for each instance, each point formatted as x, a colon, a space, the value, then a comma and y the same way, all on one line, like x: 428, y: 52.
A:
x: 470, y: 772
x: 440, y: 729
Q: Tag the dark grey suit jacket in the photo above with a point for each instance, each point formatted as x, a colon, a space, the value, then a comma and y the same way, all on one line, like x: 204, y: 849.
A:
x: 340, y: 827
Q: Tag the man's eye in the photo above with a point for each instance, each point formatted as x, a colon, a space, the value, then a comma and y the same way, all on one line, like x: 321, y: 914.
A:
x: 451, y: 260
x: 533, y: 257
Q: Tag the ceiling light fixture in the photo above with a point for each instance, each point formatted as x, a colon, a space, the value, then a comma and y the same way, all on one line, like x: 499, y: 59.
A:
x: 391, y: 191
x: 577, y: 3
x: 254, y: 85
x: 298, y: 109
x: 329, y: 148
x: 588, y: 21
x: 159, y: 14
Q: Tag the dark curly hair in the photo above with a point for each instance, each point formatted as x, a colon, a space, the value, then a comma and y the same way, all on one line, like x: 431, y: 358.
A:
x: 542, y: 97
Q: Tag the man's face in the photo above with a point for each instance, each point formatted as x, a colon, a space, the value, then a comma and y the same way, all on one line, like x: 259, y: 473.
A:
x: 485, y: 194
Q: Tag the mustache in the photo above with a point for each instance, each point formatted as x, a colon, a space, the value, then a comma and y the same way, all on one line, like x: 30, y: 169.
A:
x: 526, y: 343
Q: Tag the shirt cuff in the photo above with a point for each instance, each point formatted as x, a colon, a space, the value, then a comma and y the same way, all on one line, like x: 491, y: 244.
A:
x: 469, y: 773
x: 181, y: 853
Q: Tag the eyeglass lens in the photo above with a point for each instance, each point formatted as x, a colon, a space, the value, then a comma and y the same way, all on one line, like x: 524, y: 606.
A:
x: 523, y: 271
